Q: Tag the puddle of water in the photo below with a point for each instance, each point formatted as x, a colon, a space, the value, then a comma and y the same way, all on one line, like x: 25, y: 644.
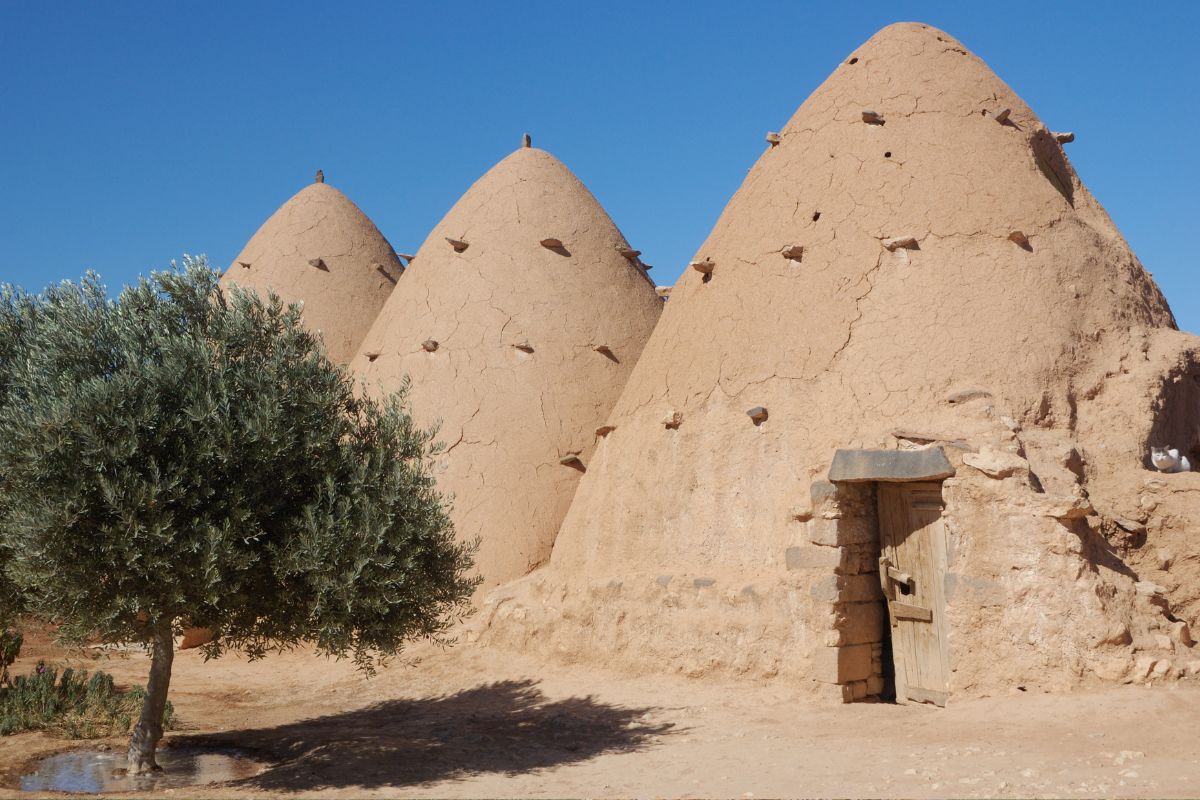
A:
x: 91, y: 771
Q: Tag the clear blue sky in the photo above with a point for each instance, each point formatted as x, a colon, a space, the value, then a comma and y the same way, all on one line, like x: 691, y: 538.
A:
x: 133, y: 132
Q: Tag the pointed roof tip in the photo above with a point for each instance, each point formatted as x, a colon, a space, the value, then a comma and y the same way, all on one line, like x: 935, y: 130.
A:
x: 905, y: 30
x: 531, y: 157
x: 529, y: 148
x: 527, y: 141
x: 292, y: 251
x: 909, y: 27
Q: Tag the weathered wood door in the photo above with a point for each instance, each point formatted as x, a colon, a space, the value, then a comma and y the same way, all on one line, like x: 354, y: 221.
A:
x: 912, y: 566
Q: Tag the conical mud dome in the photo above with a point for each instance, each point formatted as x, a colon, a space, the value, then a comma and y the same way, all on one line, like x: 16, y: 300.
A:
x: 521, y: 318
x: 320, y: 249
x: 913, y: 266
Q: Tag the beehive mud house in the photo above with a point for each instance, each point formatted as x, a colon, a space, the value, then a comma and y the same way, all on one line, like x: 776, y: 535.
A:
x: 891, y: 435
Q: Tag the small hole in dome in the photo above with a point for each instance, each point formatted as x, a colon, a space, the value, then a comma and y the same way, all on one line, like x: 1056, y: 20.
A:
x: 816, y: 215
x: 888, y: 154
x: 854, y: 60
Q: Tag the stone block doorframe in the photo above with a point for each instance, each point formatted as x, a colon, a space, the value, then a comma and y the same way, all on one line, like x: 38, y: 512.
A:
x: 876, y: 524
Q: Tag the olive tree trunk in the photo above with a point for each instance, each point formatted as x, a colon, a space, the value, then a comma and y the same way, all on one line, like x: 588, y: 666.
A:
x: 149, y: 729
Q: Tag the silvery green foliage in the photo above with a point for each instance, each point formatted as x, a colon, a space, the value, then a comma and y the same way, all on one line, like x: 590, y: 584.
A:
x: 181, y: 454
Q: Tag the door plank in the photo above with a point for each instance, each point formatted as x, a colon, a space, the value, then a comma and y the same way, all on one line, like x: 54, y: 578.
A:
x: 928, y: 696
x: 907, y: 611
x: 932, y: 534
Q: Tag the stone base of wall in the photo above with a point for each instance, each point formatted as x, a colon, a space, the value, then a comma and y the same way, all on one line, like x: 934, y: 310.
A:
x: 1035, y: 598
x: 841, y: 563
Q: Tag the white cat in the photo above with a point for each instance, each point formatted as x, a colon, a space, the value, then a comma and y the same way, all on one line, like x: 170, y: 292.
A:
x: 1167, y: 459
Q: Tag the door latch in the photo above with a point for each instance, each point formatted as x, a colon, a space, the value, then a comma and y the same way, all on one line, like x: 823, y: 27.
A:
x: 889, y: 575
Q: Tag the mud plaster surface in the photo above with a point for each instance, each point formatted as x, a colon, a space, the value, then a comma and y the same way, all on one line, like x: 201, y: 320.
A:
x: 1058, y: 354
x: 342, y: 298
x: 515, y: 378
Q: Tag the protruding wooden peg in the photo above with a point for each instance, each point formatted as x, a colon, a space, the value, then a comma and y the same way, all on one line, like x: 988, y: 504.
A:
x: 605, y: 430
x: 430, y: 345
x: 382, y: 270
x: 758, y: 415
x: 872, y: 117
x: 1001, y: 116
x: 320, y: 176
x: 458, y: 244
x: 794, y: 252
x: 551, y: 243
x: 527, y: 141
x: 663, y: 291
x: 244, y: 264
x: 673, y: 420
x: 573, y: 461
x: 901, y: 243
x: 319, y: 263
x: 524, y: 347
x: 372, y: 356
x: 406, y: 258
x: 704, y: 267
x: 1064, y: 137
x: 1020, y: 239
x: 629, y: 253
x: 773, y: 138
x: 604, y: 349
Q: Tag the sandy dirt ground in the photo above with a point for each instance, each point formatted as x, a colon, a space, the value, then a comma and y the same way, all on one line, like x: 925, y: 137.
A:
x: 471, y: 723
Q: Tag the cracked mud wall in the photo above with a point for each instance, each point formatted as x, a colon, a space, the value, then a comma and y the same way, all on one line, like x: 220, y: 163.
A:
x: 531, y: 346
x: 855, y: 341
x: 1015, y: 299
x: 357, y: 271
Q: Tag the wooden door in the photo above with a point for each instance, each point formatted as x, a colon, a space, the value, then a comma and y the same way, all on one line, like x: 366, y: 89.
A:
x: 911, y: 568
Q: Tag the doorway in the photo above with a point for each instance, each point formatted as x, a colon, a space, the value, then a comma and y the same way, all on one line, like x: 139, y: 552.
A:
x: 883, y: 509
x: 912, y: 568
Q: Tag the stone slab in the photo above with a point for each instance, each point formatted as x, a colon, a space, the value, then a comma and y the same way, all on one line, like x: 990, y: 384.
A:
x: 842, y: 531
x: 822, y: 492
x: 892, y: 466
x: 825, y: 590
x: 842, y: 664
x: 862, y: 623
x: 861, y: 589
x: 814, y: 557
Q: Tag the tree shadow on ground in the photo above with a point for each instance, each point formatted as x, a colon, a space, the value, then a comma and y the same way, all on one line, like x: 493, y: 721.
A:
x: 507, y: 727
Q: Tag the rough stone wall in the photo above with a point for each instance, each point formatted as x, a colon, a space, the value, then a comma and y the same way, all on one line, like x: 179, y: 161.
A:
x: 518, y: 348
x: 354, y: 275
x: 1148, y: 519
x: 1159, y: 544
x: 1036, y: 598
x: 843, y: 531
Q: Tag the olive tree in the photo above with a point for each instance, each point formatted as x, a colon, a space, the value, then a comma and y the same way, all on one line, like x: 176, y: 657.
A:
x: 178, y: 457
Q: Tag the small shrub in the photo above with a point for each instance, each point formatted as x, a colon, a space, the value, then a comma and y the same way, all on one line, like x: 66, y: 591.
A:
x: 72, y: 705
